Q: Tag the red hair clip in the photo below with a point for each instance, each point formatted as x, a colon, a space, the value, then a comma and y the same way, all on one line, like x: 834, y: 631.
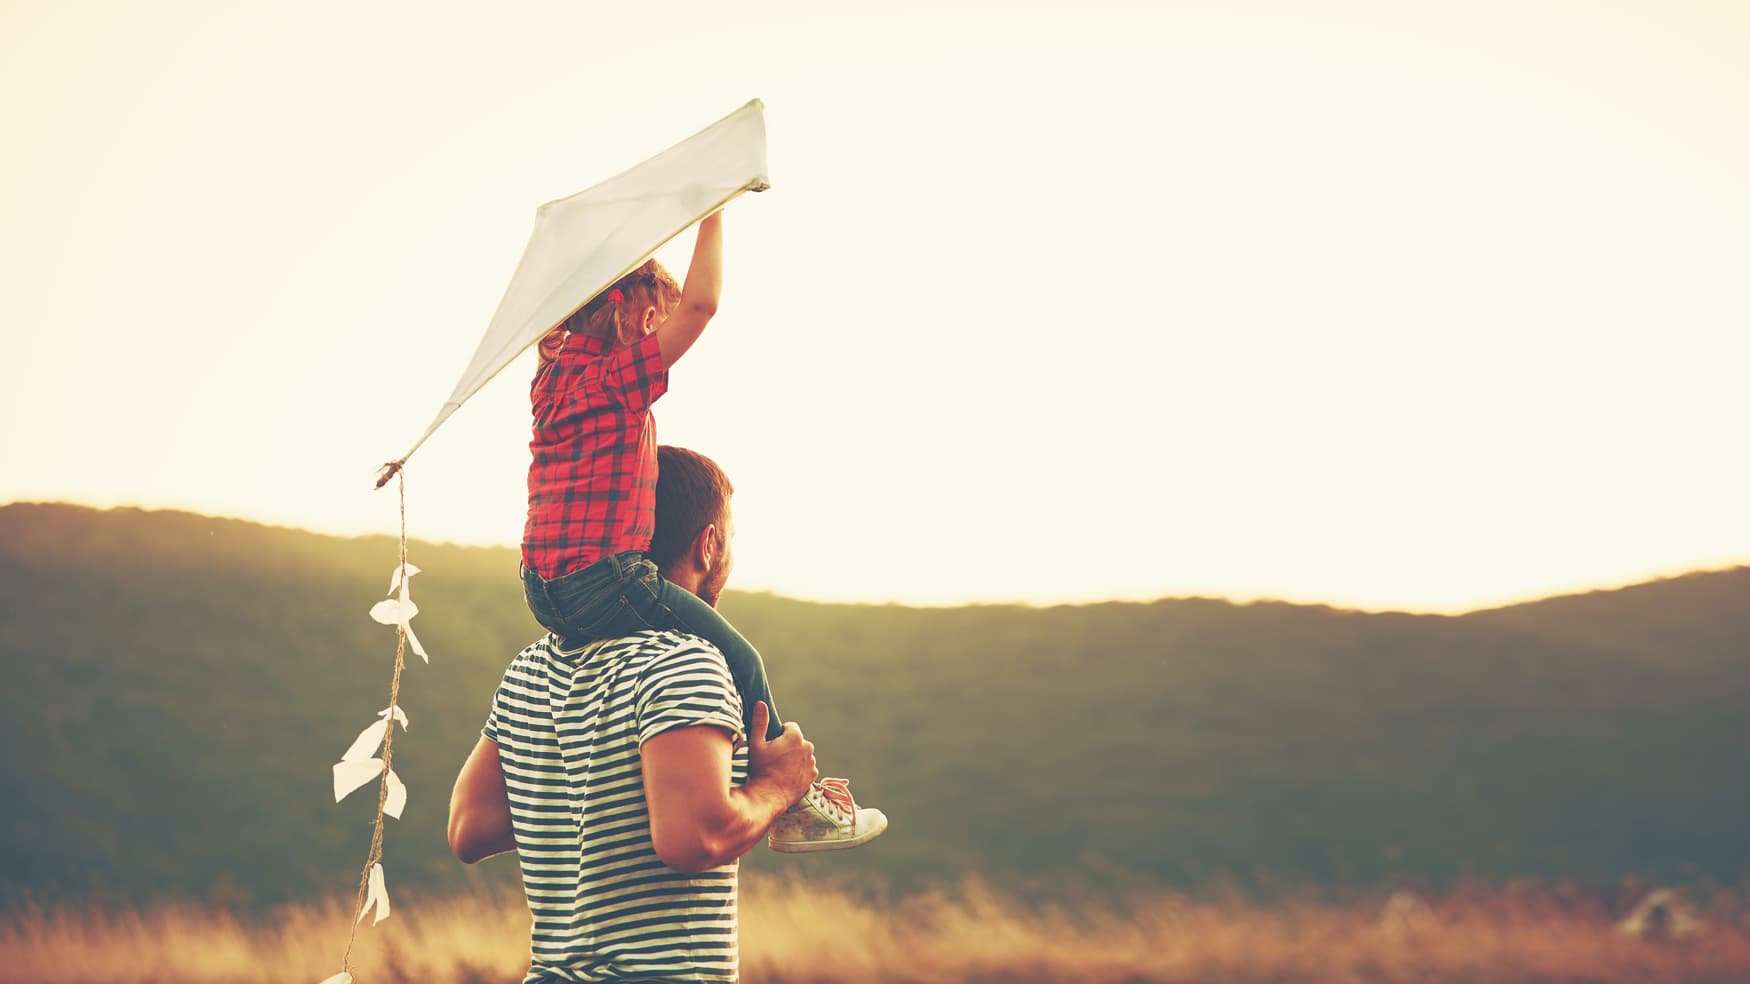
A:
x: 615, y: 297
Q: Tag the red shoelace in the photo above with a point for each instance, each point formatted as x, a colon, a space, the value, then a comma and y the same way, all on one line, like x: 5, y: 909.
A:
x: 838, y: 792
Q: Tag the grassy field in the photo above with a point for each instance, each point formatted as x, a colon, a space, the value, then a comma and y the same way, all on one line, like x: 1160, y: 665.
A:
x: 793, y: 933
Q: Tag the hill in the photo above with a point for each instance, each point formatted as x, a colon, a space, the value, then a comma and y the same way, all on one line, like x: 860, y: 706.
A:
x: 178, y: 686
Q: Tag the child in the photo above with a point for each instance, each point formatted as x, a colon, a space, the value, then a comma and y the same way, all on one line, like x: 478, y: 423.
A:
x: 592, y: 489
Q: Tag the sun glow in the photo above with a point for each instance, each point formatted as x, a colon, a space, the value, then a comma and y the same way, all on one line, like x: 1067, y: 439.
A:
x: 1375, y: 305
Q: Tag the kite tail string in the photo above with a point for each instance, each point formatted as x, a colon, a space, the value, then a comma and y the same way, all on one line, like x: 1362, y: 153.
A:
x: 376, y: 854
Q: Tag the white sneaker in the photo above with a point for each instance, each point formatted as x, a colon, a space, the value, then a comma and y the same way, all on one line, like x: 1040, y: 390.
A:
x: 826, y: 818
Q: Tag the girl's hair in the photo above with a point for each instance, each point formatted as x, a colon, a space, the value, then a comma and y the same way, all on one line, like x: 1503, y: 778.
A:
x: 647, y: 286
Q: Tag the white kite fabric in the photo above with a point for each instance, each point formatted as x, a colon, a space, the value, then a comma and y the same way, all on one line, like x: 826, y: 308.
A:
x: 583, y: 243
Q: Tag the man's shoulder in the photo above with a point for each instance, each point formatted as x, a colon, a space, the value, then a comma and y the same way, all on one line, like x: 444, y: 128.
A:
x: 648, y: 650
x: 645, y: 667
x: 680, y: 680
x: 658, y: 649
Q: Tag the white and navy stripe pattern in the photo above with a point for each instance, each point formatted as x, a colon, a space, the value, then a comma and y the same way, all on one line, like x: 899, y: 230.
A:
x: 568, y: 727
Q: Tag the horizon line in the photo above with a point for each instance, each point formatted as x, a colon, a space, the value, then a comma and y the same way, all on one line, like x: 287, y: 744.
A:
x: 1304, y: 601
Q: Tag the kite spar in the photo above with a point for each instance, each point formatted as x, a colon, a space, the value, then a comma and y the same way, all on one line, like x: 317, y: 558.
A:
x: 583, y: 243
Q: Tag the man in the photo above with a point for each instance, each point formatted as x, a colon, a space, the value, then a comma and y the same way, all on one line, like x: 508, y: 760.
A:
x: 627, y: 780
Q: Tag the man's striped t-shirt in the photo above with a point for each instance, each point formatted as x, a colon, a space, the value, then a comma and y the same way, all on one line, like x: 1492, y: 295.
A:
x: 568, y: 727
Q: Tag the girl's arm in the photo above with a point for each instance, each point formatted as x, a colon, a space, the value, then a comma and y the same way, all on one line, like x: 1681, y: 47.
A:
x: 699, y: 294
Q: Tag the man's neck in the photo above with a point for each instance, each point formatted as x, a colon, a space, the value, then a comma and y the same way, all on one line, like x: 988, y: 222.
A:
x: 686, y: 577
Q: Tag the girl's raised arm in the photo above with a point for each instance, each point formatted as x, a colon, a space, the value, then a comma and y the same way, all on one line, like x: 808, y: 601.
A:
x: 699, y: 294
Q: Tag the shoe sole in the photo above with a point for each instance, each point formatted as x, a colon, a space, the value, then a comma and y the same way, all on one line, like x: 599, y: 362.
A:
x: 811, y: 847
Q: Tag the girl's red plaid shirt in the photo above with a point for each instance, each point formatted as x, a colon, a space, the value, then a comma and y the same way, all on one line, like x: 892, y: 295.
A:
x: 592, y: 481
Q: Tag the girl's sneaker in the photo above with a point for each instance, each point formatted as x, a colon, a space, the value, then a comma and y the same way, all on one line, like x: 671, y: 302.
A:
x: 826, y: 819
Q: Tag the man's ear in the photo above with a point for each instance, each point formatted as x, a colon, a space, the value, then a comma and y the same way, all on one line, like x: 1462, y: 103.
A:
x: 708, y: 546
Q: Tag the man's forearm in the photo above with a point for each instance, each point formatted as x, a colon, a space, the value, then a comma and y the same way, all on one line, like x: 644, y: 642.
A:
x: 698, y: 818
x: 756, y: 806
x: 474, y: 852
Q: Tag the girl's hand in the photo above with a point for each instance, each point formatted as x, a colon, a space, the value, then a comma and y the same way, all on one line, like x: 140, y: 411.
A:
x: 551, y: 343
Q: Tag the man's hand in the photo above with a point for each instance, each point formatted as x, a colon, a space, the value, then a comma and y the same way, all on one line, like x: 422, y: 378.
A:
x: 787, y: 761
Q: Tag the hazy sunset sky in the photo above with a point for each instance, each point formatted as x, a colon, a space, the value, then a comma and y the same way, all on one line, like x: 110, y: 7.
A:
x: 1383, y: 304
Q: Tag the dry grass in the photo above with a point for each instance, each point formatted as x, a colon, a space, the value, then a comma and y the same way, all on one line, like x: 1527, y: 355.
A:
x: 795, y: 933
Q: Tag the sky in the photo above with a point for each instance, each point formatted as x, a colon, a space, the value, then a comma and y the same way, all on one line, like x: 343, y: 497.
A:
x: 1384, y: 305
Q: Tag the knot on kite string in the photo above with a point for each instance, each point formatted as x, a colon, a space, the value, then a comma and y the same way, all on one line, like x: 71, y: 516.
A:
x: 389, y: 470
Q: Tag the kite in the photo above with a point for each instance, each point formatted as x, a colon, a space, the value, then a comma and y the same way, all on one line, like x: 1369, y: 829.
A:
x: 580, y: 245
x: 583, y: 243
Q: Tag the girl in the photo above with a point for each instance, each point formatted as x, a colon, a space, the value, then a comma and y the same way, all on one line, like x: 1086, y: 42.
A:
x: 592, y: 488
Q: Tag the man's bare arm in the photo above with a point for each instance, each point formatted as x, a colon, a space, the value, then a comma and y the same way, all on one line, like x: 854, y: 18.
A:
x: 698, y: 820
x: 480, y: 825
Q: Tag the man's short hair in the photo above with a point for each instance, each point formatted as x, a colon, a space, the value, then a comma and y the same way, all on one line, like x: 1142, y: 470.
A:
x: 691, y: 492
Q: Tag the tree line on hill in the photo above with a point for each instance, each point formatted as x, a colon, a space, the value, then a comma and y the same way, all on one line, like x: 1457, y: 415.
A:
x: 178, y: 687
